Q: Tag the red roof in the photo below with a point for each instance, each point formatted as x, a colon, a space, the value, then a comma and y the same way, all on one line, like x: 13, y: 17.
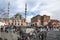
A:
x: 13, y: 21
x: 54, y: 20
x: 35, y: 20
x: 6, y: 20
x: 23, y: 20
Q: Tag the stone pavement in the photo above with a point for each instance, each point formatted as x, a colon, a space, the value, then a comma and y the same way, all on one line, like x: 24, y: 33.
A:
x: 0, y: 34
x: 9, y: 36
x: 53, y: 35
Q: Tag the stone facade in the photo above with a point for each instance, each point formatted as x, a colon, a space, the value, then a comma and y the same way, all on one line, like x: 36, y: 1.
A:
x: 16, y: 20
x: 40, y: 20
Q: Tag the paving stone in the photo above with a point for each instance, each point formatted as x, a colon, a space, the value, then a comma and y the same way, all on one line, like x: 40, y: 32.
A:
x: 53, y: 35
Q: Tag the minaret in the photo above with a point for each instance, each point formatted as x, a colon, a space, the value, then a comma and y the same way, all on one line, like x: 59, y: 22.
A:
x: 8, y: 9
x: 8, y: 12
x: 25, y: 11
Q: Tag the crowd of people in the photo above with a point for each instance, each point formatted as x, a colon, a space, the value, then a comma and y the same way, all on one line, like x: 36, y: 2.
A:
x: 35, y: 34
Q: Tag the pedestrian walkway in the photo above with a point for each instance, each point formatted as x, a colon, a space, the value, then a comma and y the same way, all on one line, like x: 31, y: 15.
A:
x: 53, y: 35
x: 0, y: 34
x: 9, y: 36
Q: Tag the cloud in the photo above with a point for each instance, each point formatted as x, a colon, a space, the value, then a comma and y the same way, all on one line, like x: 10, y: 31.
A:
x: 51, y: 8
x: 34, y: 7
x: 28, y: 19
x: 45, y: 13
x: 56, y: 14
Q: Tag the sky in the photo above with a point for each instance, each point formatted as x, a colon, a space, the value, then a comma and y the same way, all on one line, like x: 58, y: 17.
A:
x: 34, y: 7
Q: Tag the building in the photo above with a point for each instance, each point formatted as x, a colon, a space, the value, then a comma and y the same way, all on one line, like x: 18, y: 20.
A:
x: 40, y: 20
x: 54, y: 21
x: 16, y: 20
x: 45, y: 19
x: 36, y: 20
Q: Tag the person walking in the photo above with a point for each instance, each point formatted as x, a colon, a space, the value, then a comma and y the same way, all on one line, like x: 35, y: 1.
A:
x: 42, y: 36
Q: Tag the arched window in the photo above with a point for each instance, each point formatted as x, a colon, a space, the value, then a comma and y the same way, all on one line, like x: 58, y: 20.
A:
x: 18, y: 23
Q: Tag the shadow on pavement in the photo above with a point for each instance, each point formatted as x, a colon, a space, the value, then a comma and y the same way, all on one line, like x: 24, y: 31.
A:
x: 1, y: 38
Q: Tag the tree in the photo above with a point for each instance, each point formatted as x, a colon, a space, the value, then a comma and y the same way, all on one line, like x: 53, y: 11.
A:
x: 50, y: 23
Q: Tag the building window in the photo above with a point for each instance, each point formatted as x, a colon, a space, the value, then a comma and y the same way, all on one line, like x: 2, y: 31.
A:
x: 18, y: 23
x: 32, y: 24
x: 15, y: 16
x: 12, y: 23
x: 21, y: 24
